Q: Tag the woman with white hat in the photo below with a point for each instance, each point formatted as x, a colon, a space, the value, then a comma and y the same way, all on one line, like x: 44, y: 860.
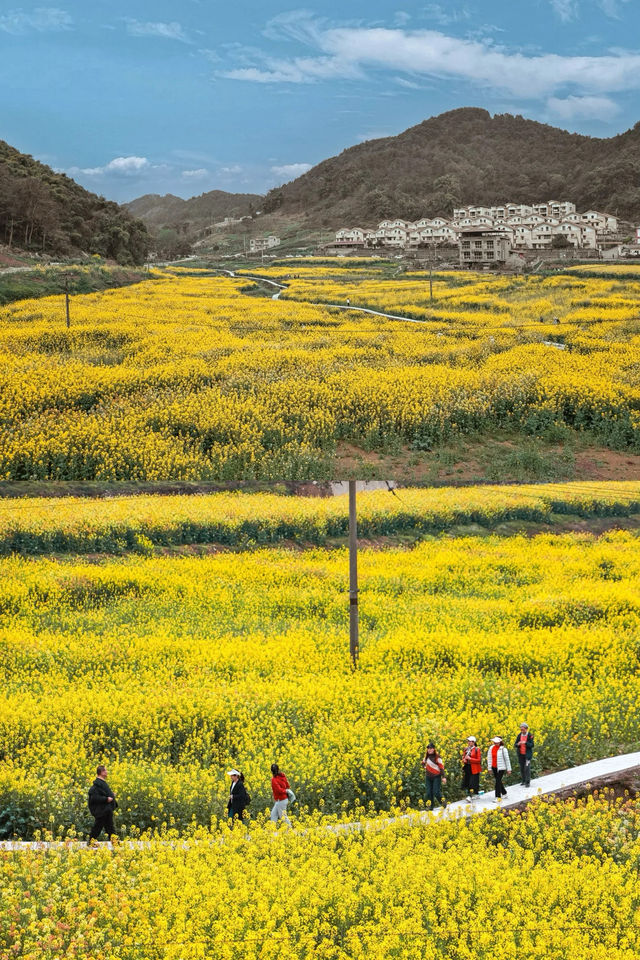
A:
x: 471, y: 767
x: 499, y: 763
x: 238, y: 797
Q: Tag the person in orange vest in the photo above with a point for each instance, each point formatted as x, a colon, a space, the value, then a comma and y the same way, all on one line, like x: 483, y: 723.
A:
x: 524, y: 751
x: 471, y: 767
x: 433, y: 775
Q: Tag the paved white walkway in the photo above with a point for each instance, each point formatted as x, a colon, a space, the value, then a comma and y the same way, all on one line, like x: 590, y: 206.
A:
x: 354, y: 308
x: 588, y: 773
x: 542, y: 786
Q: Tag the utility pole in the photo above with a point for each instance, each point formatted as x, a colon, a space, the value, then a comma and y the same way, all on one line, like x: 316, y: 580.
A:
x: 353, y: 577
x: 431, y: 281
x: 66, y: 301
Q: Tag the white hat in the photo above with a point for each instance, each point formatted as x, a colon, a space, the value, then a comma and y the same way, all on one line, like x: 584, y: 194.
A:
x: 473, y: 739
x: 233, y: 773
x: 523, y: 724
x: 496, y: 739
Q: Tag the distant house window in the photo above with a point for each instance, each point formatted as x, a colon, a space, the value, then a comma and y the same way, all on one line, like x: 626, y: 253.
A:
x: 477, y: 244
x: 466, y: 255
x: 489, y: 254
x: 466, y: 244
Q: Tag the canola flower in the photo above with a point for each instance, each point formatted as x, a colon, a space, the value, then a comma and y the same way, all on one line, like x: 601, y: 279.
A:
x: 84, y: 525
x: 185, y: 377
x: 557, y: 881
x: 172, y: 669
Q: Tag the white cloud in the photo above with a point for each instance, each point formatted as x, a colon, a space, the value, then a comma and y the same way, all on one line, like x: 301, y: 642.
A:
x: 443, y: 16
x: 590, y: 108
x: 297, y: 25
x: 346, y: 52
x: 410, y: 84
x: 195, y: 174
x: 42, y: 19
x: 119, y: 166
x: 612, y: 8
x: 291, y: 170
x: 235, y: 168
x: 566, y: 9
x: 298, y: 70
x: 165, y: 31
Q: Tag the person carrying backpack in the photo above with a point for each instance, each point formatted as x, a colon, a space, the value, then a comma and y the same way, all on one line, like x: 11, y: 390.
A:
x: 282, y: 793
x: 433, y: 775
x: 499, y: 763
x: 102, y: 803
x: 239, y: 799
x: 524, y: 751
x: 471, y: 768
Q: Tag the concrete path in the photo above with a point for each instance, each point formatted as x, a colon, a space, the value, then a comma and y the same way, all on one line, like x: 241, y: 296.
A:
x: 354, y: 308
x: 553, y: 783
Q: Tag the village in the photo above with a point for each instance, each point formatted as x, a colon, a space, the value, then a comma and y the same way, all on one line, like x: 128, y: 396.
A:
x: 500, y: 235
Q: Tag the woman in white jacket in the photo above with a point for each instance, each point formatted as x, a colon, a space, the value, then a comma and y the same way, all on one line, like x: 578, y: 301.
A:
x: 499, y: 763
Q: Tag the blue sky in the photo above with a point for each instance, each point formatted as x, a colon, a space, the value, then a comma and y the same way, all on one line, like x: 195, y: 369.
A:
x: 183, y: 97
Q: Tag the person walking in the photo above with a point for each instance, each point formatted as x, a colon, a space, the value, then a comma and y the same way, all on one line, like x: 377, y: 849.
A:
x: 238, y: 797
x: 281, y: 793
x: 499, y: 763
x: 524, y: 751
x: 102, y: 803
x: 471, y: 767
x: 433, y: 775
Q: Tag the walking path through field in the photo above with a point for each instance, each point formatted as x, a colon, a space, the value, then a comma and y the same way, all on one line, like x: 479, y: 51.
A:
x: 599, y: 772
x: 353, y: 308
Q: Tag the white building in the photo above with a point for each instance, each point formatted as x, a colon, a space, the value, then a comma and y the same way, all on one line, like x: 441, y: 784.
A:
x: 528, y: 227
x: 603, y: 222
x: 258, y: 244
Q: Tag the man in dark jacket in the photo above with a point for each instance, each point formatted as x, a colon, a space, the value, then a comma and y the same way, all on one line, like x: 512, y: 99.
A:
x: 524, y: 751
x: 102, y: 803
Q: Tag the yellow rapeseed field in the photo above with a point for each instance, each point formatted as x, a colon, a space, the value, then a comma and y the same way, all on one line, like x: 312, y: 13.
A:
x: 173, y: 667
x: 558, y: 882
x: 187, y: 377
x: 82, y: 525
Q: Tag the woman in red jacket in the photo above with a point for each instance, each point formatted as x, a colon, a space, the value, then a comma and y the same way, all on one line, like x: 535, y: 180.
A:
x: 471, y: 767
x: 281, y: 790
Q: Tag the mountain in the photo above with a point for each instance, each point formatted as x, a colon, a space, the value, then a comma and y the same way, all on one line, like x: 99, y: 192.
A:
x: 194, y: 215
x: 47, y: 212
x: 466, y: 156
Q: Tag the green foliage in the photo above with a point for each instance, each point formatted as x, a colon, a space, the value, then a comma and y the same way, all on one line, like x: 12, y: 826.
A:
x: 48, y: 212
x: 467, y: 156
x: 51, y: 280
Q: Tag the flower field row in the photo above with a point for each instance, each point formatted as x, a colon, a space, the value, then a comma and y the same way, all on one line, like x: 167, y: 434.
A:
x: 171, y: 669
x: 187, y: 378
x: 558, y: 881
x: 76, y: 525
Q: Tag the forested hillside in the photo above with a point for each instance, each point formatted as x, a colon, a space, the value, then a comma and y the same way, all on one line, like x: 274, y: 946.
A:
x: 47, y: 212
x: 466, y: 156
x: 172, y: 211
x: 175, y: 223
